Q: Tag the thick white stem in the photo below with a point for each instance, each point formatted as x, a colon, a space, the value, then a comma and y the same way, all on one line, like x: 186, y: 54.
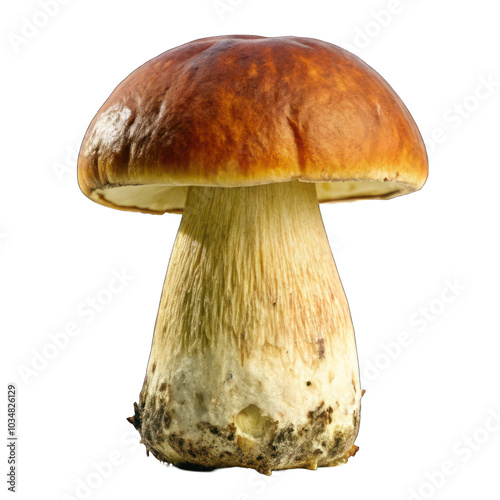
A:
x: 253, y: 338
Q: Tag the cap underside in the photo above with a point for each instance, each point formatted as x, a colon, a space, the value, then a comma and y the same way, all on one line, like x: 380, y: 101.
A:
x: 161, y: 198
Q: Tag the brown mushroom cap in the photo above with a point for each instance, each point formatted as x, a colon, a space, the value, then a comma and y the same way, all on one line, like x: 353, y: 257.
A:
x: 246, y: 110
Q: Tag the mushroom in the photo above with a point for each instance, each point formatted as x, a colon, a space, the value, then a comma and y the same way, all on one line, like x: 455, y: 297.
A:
x: 253, y: 361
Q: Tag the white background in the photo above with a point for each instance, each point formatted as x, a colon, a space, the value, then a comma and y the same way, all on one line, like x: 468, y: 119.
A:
x: 430, y: 403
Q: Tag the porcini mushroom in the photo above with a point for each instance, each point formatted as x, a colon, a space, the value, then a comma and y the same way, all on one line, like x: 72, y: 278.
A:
x: 253, y: 361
